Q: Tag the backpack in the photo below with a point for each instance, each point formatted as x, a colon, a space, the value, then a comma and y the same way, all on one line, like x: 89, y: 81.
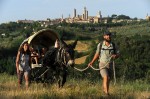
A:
x: 113, y: 44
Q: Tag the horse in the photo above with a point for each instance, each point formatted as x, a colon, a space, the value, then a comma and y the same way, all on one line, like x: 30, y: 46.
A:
x: 57, y: 60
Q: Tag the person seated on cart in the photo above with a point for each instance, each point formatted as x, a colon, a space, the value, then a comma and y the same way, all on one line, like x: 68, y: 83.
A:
x: 34, y: 56
x: 44, y: 50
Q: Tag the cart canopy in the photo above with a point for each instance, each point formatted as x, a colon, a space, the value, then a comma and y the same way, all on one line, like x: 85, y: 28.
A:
x: 43, y: 38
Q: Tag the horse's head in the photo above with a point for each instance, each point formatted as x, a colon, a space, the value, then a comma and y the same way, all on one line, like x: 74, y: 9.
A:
x: 69, y: 52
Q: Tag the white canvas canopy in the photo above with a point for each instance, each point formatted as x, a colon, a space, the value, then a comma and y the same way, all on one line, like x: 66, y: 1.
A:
x: 43, y: 38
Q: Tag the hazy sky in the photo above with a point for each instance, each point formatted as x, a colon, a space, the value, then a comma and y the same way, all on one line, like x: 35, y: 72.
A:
x: 13, y: 10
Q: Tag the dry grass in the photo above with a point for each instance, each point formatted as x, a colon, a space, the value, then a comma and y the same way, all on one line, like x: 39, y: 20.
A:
x: 80, y: 47
x: 73, y: 89
x: 80, y: 60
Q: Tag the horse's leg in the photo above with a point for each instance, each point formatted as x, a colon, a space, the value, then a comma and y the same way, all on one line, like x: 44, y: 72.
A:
x: 60, y: 81
x: 64, y: 77
x: 58, y: 78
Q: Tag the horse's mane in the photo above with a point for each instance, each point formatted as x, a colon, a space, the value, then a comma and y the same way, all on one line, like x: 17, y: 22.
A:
x: 50, y: 57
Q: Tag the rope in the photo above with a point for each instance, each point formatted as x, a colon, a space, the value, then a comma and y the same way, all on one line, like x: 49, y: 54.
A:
x: 85, y: 68
x: 114, y: 72
x: 94, y: 68
x: 81, y: 69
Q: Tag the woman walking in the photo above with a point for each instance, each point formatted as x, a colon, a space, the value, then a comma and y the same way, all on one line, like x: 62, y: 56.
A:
x: 23, y: 63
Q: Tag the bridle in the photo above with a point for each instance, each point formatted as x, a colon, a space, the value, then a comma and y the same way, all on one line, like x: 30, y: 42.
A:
x: 62, y: 57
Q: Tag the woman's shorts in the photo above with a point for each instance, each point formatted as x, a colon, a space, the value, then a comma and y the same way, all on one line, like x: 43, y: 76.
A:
x: 23, y: 73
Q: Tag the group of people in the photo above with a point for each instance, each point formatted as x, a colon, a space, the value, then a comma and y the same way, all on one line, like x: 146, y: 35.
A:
x: 25, y: 57
x: 105, y: 53
x: 36, y: 55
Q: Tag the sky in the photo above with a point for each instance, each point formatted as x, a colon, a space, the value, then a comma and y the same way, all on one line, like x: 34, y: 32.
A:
x: 13, y: 10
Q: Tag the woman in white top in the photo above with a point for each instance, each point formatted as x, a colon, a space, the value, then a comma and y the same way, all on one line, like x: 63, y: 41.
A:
x: 23, y: 63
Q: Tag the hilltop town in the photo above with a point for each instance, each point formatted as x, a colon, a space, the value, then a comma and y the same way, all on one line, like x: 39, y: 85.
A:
x: 86, y: 18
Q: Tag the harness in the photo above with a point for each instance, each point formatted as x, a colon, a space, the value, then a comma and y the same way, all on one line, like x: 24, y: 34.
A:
x: 113, y: 44
x: 61, y: 59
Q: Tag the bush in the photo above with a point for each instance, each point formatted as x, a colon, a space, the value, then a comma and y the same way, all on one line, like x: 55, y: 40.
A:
x: 8, y: 65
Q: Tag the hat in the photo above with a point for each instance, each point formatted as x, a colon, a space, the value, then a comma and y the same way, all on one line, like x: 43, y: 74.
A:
x: 107, y: 33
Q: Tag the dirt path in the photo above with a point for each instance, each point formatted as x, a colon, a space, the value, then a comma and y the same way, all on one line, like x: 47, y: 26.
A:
x: 80, y: 47
x: 80, y: 60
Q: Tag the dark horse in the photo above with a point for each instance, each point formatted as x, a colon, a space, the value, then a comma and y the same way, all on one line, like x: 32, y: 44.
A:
x: 57, y: 61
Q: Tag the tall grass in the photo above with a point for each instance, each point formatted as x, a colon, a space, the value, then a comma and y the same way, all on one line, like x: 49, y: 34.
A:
x: 73, y: 89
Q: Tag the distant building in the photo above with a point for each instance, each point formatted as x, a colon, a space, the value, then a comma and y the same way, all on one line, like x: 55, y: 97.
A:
x: 96, y: 20
x: 84, y: 18
x: 75, y: 13
x: 147, y: 17
x: 99, y: 14
x: 3, y: 34
x: 25, y: 21
x: 85, y: 14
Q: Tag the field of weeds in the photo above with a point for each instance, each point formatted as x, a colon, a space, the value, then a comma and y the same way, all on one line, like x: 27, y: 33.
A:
x: 73, y: 89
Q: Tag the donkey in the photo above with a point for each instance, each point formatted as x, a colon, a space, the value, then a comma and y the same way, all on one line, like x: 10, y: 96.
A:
x: 57, y: 60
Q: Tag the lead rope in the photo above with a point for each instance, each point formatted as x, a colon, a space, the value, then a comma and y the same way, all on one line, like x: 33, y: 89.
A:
x: 64, y: 58
x: 81, y: 70
x: 92, y: 66
x: 114, y: 72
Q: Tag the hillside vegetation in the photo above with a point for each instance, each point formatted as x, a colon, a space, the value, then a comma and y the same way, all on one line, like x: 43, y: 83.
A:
x: 132, y: 38
x: 132, y: 68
